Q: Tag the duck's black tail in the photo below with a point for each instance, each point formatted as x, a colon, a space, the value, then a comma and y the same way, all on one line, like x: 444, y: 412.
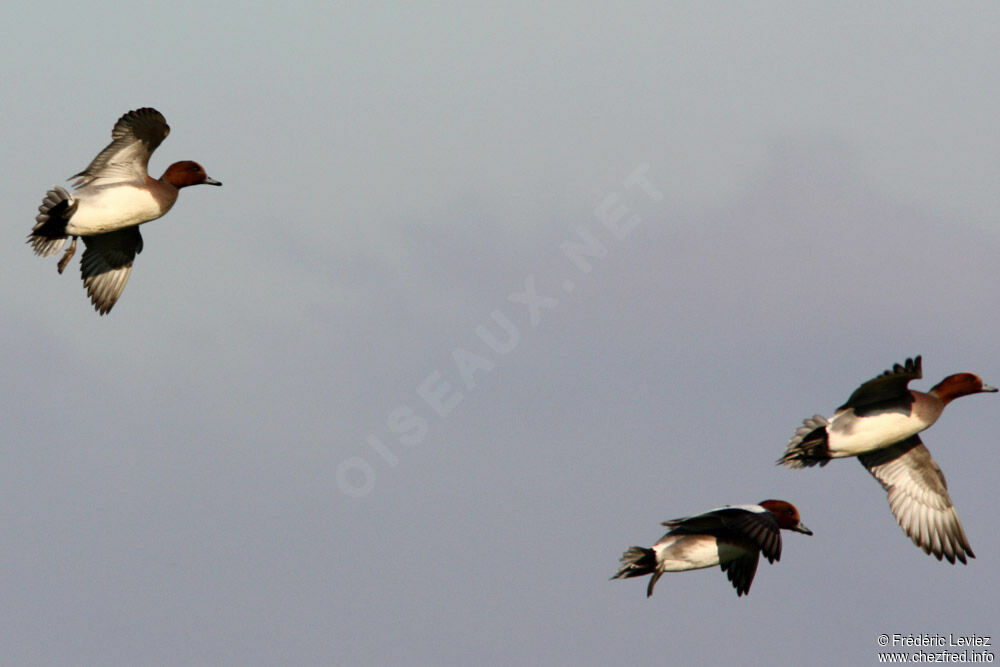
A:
x: 637, y: 562
x: 809, y: 445
x: 48, y: 236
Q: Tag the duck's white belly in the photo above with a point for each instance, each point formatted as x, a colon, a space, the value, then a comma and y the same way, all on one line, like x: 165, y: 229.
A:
x: 850, y: 435
x: 107, y: 209
x: 676, y: 553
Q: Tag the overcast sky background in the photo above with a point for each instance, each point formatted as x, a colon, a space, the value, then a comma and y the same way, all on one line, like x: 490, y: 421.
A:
x: 169, y: 490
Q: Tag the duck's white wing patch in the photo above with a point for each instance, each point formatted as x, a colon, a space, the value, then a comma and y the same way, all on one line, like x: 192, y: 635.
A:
x: 106, y: 265
x: 918, y: 497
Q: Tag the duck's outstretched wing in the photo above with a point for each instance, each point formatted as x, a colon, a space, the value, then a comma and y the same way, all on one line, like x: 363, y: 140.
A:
x: 918, y: 498
x: 133, y: 139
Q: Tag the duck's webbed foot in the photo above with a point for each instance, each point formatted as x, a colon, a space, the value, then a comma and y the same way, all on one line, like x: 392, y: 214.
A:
x: 68, y: 255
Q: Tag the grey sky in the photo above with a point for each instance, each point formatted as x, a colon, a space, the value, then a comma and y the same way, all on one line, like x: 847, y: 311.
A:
x: 392, y: 175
